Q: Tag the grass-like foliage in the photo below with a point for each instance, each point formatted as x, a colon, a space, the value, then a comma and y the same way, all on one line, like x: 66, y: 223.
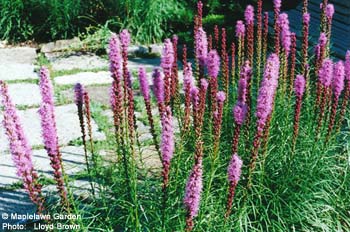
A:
x: 262, y: 142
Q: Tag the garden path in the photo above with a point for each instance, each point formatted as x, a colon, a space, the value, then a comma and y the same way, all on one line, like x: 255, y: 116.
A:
x: 17, y: 68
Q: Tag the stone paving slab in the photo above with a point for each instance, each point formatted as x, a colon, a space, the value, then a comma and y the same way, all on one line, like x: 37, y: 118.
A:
x: 18, y: 55
x: 25, y: 94
x: 67, y: 126
x: 73, y: 162
x: 85, y: 78
x: 76, y: 61
x: 14, y: 72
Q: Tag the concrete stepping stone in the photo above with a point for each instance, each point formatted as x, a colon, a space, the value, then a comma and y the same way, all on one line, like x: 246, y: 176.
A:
x: 23, y: 94
x: 67, y: 126
x: 17, y: 63
x: 85, y: 78
x: 73, y: 162
x: 76, y: 61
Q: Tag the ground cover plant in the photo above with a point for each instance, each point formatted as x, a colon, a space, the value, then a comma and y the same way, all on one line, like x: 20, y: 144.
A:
x: 262, y: 142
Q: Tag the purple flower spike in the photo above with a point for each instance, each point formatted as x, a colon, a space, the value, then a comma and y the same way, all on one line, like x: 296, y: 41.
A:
x: 249, y: 14
x: 79, y: 93
x: 234, y: 169
x: 306, y: 18
x: 158, y: 85
x: 347, y: 66
x: 115, y: 57
x: 326, y: 72
x: 188, y: 77
x: 240, y: 29
x: 125, y: 38
x: 201, y: 46
x: 299, y: 86
x: 323, y: 39
x: 277, y: 4
x: 240, y: 113
x: 45, y: 84
x: 213, y: 63
x: 285, y: 32
x: 144, y: 83
x: 329, y: 11
x: 167, y: 57
x: 193, y: 190
x: 204, y: 84
x: 167, y: 143
x: 338, y: 78
x: 221, y: 96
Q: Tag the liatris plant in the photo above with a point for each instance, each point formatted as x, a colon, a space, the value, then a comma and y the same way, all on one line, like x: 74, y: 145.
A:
x: 265, y: 37
x: 201, y: 50
x: 220, y: 98
x: 233, y: 64
x: 265, y: 103
x: 329, y: 17
x: 184, y: 55
x: 147, y: 98
x: 337, y: 86
x: 249, y: 19
x: 20, y: 150
x: 213, y: 66
x: 305, y: 45
x: 240, y: 34
x: 174, y: 75
x: 79, y: 101
x: 167, y: 148
x: 216, y: 37
x: 210, y: 42
x: 283, y: 23
x: 49, y: 133
x: 276, y: 9
x: 240, y: 109
x: 131, y: 112
x: 167, y: 65
x: 292, y: 60
x: 125, y: 41
x: 325, y: 80
x: 259, y: 39
x: 299, y: 89
x: 115, y: 58
x: 320, y: 51
x: 347, y: 91
x: 224, y: 59
x: 187, y: 86
x: 194, y: 184
x: 233, y: 176
x: 158, y: 89
x: 87, y: 110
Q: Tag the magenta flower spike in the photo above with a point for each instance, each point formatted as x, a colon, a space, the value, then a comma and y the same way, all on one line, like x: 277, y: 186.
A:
x: 21, y: 151
x: 158, y: 86
x: 277, y: 4
x: 240, y: 29
x: 144, y: 86
x: 193, y: 192
x: 239, y: 113
x: 167, y: 58
x: 45, y: 84
x: 125, y: 38
x: 329, y: 11
x: 167, y: 143
x: 201, y: 46
x: 213, y: 63
x: 283, y: 22
x: 233, y: 176
x: 326, y: 73
x: 249, y: 14
x: 299, y: 86
x: 347, y: 91
x: 115, y: 58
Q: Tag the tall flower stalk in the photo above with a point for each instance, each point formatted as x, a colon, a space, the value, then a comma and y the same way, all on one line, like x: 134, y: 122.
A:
x: 21, y: 151
x: 347, y: 91
x: 167, y: 62
x: 201, y: 50
x: 147, y: 98
x: 259, y: 39
x: 299, y: 89
x: 240, y: 34
x: 213, y: 66
x: 87, y: 110
x: 276, y: 9
x: 195, y: 183
x: 265, y: 104
x: 187, y: 86
x: 49, y: 133
x: 325, y: 80
x: 265, y: 37
x: 233, y: 176
x: 249, y: 20
x: 220, y: 99
x: 167, y: 150
x: 224, y: 59
x: 233, y: 64
x: 337, y: 86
